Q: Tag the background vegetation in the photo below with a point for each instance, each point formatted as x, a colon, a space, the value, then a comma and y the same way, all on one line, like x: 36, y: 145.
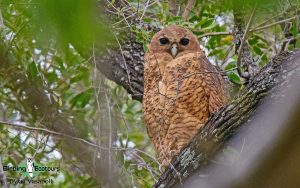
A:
x: 49, y: 80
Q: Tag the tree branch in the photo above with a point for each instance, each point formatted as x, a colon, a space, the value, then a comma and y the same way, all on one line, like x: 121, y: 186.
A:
x: 50, y: 132
x: 215, y: 34
x: 272, y: 24
x: 189, y: 7
x: 173, y: 7
x: 222, y: 125
x: 260, y: 28
x: 241, y: 47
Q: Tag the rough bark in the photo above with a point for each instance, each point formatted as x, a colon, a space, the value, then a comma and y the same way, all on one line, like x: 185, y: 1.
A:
x: 124, y: 66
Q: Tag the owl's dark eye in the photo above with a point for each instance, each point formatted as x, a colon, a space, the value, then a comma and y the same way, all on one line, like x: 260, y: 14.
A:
x: 184, y: 41
x: 164, y: 41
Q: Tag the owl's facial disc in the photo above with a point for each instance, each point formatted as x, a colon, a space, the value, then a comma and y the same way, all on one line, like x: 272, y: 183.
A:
x: 174, y: 50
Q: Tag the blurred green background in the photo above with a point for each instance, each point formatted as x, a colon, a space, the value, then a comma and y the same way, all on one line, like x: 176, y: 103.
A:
x: 48, y: 72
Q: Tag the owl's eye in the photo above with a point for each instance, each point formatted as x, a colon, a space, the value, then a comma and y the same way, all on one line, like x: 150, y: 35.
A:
x: 184, y: 41
x: 164, y: 41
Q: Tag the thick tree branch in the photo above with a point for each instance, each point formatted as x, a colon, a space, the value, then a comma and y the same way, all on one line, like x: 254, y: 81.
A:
x: 222, y: 125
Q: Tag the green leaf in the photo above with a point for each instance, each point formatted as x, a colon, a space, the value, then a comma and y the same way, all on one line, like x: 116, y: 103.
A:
x: 262, y: 45
x: 32, y: 70
x: 82, y: 99
x: 208, y: 23
x: 204, y: 23
x: 136, y: 137
x: 257, y: 50
x: 51, y: 77
x: 233, y: 77
x: 230, y: 65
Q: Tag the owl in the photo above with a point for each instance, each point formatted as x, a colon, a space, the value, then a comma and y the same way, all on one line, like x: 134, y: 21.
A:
x: 181, y: 90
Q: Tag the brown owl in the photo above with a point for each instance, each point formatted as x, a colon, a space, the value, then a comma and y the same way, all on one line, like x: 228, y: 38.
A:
x: 181, y: 90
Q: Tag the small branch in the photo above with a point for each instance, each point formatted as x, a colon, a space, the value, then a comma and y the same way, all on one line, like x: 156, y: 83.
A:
x: 173, y: 7
x: 190, y: 5
x: 269, y: 20
x: 287, y: 42
x: 215, y: 34
x: 240, y: 52
x: 54, y: 133
x: 19, y: 126
x: 250, y: 31
x: 145, y: 9
x: 272, y: 24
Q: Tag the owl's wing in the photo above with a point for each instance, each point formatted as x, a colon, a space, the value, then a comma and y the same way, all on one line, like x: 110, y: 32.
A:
x: 153, y: 99
x: 214, y: 85
x: 186, y: 106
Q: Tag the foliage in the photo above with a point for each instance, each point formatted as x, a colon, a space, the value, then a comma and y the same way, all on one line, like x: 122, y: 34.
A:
x: 43, y: 70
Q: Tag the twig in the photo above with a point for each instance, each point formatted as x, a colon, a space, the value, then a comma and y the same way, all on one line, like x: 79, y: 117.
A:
x: 250, y: 31
x: 124, y: 18
x: 97, y: 94
x: 268, y: 20
x: 125, y: 63
x: 54, y: 133
x: 145, y: 9
x: 20, y: 126
x: 286, y: 43
x: 110, y: 137
x: 272, y: 24
x: 226, y: 55
x: 240, y: 51
x: 173, y: 7
x: 264, y: 53
x: 188, y: 8
x: 215, y: 34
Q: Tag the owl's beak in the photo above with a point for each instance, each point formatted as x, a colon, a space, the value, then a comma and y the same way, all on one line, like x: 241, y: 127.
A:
x: 174, y: 50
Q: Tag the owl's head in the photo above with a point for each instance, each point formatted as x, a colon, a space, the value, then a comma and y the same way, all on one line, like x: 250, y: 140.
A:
x: 174, y: 40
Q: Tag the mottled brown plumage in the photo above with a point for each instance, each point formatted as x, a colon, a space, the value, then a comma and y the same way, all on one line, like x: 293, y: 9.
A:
x: 181, y: 90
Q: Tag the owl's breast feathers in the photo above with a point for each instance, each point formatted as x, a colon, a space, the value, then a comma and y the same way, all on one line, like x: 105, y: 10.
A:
x: 179, y: 96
